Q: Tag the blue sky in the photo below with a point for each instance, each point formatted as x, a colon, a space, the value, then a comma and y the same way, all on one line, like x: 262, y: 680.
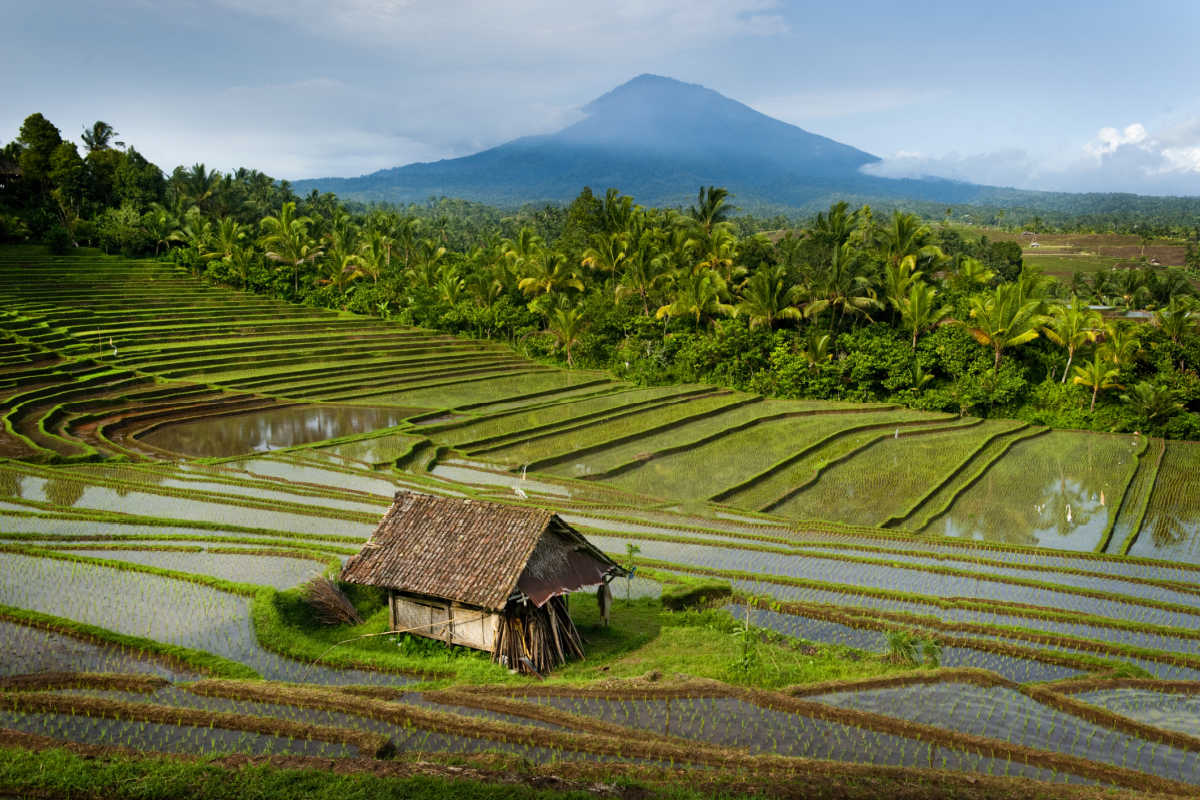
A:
x: 1095, y: 97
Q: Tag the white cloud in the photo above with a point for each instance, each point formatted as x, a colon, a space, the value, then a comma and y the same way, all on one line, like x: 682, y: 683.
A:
x: 477, y: 31
x: 1108, y: 140
x: 1129, y: 159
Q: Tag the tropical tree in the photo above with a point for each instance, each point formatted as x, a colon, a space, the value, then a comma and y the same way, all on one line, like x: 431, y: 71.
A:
x: 920, y: 312
x: 607, y: 253
x: 1002, y: 319
x: 970, y: 274
x: 718, y: 251
x: 1071, y: 327
x: 566, y: 325
x: 287, y: 241
x: 547, y: 273
x: 1121, y: 343
x: 1150, y: 402
x: 767, y: 297
x: 710, y: 210
x: 906, y: 235
x: 842, y: 288
x: 1177, y: 318
x: 1098, y: 375
x: 699, y: 295
x: 98, y: 136
x: 831, y: 231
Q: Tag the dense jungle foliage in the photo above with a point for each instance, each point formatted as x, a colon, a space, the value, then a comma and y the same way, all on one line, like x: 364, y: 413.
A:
x: 847, y: 305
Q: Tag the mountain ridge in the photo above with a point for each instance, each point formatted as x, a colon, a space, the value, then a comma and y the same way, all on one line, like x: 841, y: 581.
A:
x: 657, y: 139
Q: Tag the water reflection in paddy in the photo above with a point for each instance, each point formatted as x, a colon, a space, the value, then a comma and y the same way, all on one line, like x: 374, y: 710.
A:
x: 261, y: 431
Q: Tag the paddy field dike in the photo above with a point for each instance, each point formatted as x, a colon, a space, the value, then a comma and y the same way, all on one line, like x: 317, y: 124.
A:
x: 176, y: 458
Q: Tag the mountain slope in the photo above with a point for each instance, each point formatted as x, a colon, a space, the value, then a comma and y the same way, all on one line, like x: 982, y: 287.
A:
x: 657, y: 139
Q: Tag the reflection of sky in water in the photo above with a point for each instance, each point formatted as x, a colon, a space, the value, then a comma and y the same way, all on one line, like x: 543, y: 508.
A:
x: 262, y: 431
x: 1057, y: 490
x: 1068, y: 519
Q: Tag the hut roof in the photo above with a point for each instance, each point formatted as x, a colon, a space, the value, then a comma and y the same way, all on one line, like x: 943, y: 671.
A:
x: 476, y: 552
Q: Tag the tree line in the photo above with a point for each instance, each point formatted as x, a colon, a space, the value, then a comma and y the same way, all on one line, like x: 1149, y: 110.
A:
x: 849, y: 305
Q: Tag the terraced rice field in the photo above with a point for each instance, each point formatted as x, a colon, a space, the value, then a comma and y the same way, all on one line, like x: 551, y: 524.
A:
x: 176, y: 456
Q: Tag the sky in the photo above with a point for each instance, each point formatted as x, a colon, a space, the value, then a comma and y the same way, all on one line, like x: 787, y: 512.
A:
x: 1040, y: 95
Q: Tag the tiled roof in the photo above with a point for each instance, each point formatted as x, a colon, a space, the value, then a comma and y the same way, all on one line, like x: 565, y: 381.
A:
x: 470, y: 551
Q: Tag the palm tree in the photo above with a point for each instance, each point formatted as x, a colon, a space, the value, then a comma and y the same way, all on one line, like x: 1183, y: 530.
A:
x: 1121, y: 343
x: 1002, y: 319
x: 835, y: 229
x: 841, y: 288
x: 1176, y: 318
x: 241, y: 260
x: 766, y: 297
x: 1151, y: 402
x: 710, y: 210
x: 375, y: 254
x: 699, y: 295
x: 566, y: 325
x: 718, y: 251
x: 98, y: 136
x: 644, y: 272
x: 1072, y: 326
x: 970, y: 273
x: 547, y: 273
x: 449, y: 285
x: 919, y: 311
x: 160, y: 224
x: 287, y: 241
x: 898, y: 279
x: 607, y: 253
x: 905, y: 235
x: 1096, y: 375
x: 816, y: 349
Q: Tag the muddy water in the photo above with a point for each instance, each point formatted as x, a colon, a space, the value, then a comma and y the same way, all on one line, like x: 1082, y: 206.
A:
x: 261, y: 431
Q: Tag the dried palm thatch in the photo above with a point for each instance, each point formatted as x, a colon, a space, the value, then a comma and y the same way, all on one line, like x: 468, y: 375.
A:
x: 331, y: 605
x: 536, y: 640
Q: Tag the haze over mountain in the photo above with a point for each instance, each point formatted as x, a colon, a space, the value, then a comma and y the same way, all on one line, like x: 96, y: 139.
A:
x: 659, y: 139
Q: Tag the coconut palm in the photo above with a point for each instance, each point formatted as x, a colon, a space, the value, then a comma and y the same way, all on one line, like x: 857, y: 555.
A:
x: 1071, y: 327
x: 1098, y: 375
x: 449, y: 285
x: 834, y: 229
x: 905, y: 235
x: 1121, y: 343
x: 98, y: 136
x: 547, y: 273
x: 919, y: 311
x: 767, y: 297
x: 898, y: 279
x: 971, y: 273
x: 842, y: 288
x: 1002, y: 319
x: 645, y: 272
x: 1151, y: 403
x: 288, y: 242
x: 718, y: 251
x: 566, y: 325
x: 699, y: 295
x: 607, y: 253
x: 1176, y: 318
x: 710, y: 210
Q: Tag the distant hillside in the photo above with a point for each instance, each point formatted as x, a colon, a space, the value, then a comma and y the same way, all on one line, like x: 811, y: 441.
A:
x: 658, y: 139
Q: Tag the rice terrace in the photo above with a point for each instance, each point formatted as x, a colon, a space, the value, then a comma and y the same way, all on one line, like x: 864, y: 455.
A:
x: 817, y: 588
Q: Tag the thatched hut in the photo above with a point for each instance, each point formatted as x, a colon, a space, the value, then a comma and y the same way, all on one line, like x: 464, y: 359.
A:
x: 485, y: 575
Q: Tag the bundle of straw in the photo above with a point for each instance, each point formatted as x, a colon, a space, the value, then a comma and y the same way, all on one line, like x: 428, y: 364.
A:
x: 331, y: 605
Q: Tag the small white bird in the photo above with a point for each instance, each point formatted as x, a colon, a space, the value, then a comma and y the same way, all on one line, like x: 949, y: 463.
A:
x: 519, y: 492
x: 1068, y: 512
